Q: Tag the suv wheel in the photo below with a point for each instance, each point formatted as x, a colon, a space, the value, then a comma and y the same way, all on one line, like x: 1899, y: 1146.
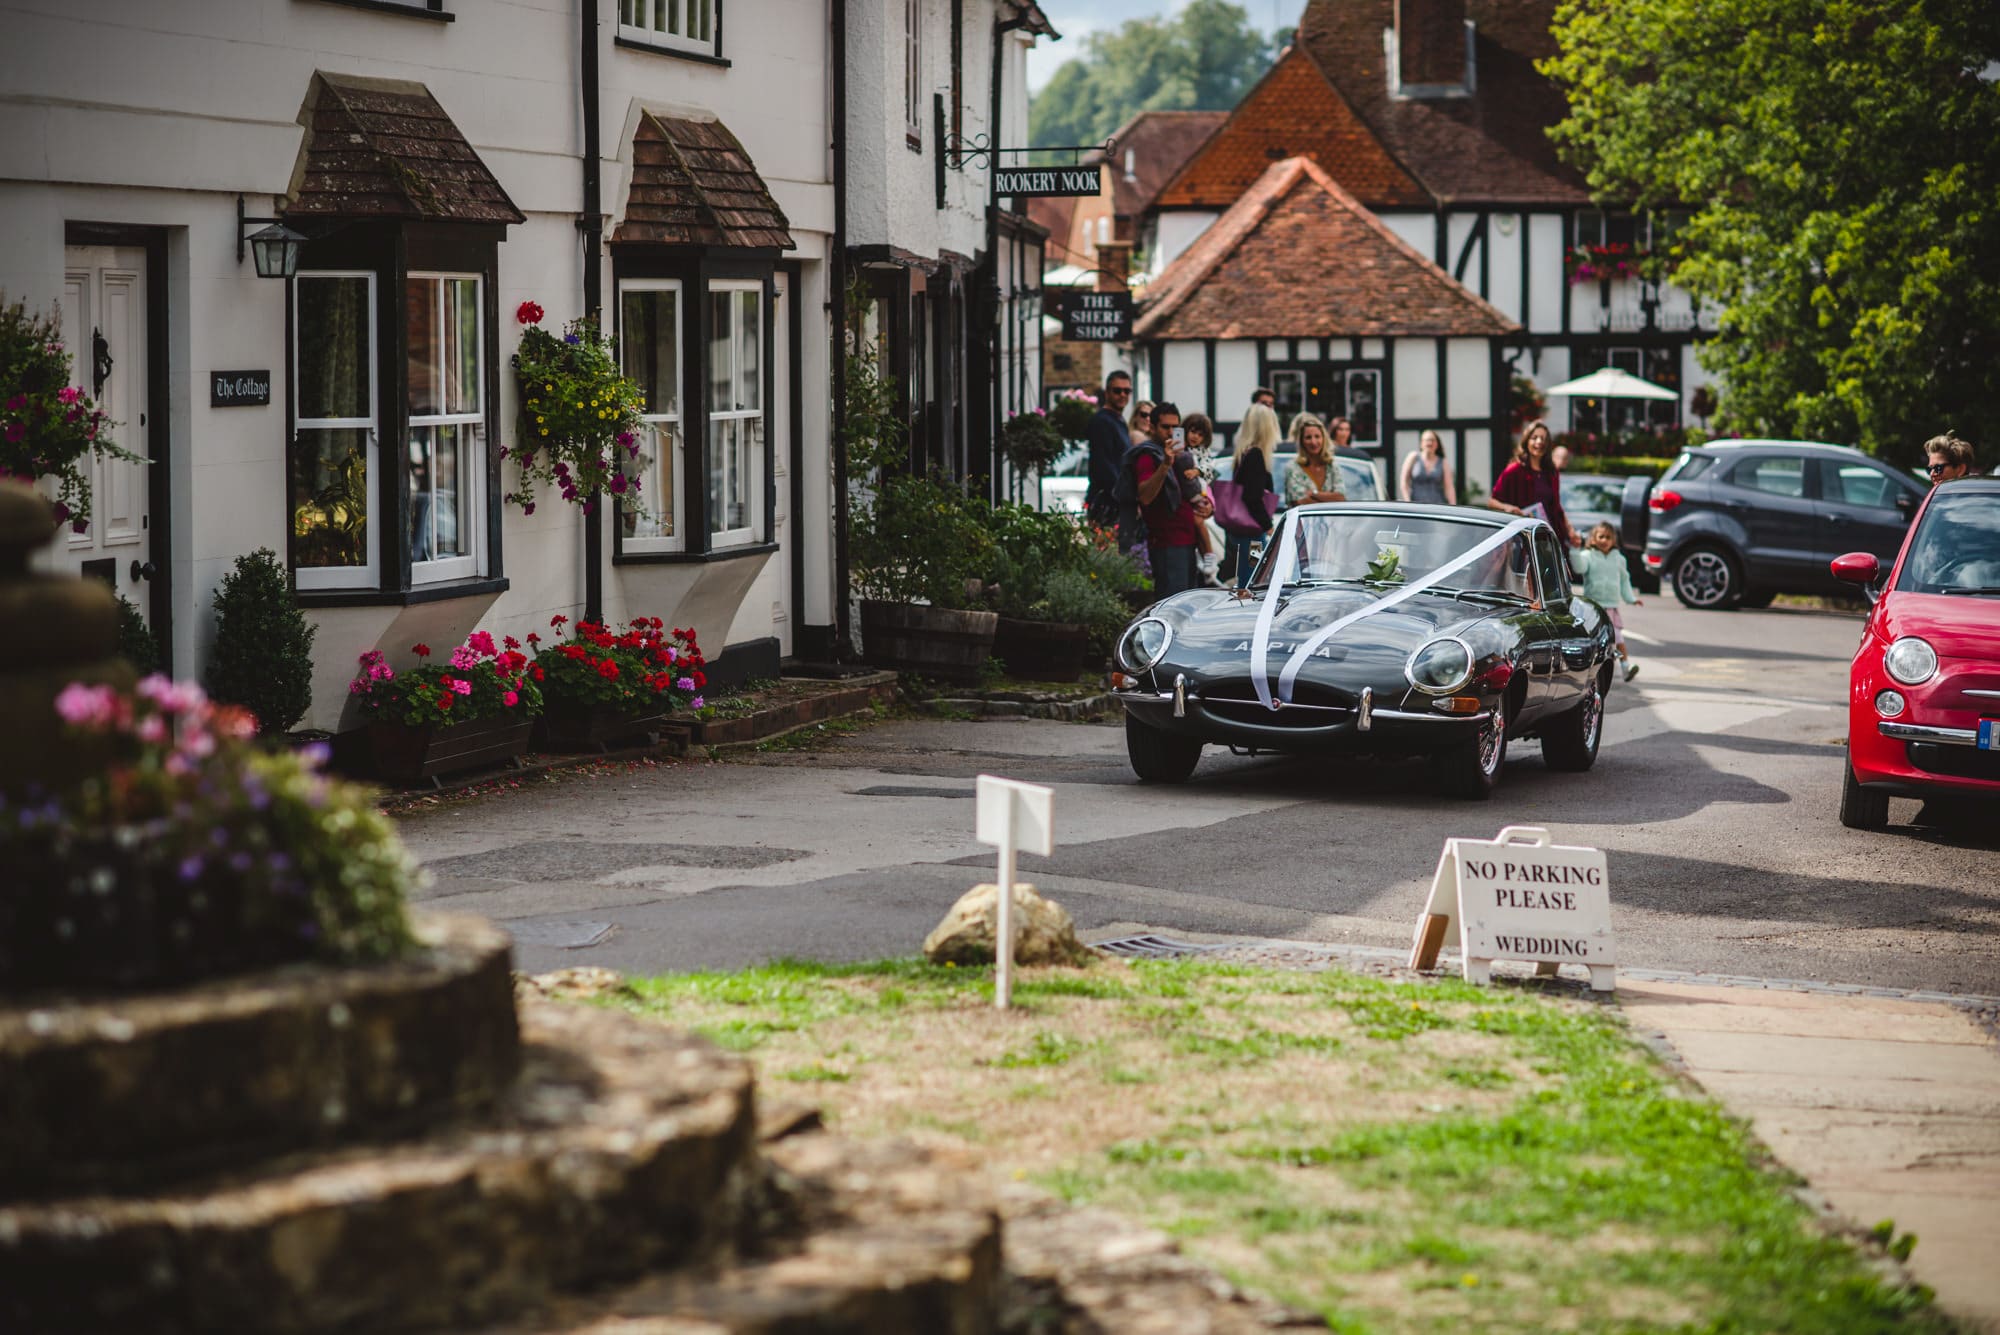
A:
x: 1707, y: 579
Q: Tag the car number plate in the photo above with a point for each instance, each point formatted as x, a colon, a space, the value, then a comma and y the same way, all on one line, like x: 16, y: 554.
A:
x: 1989, y: 734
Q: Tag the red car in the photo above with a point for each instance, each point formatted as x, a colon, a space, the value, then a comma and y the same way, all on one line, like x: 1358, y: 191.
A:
x: 1923, y: 704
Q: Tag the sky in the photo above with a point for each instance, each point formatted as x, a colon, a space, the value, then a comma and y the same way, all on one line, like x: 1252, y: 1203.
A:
x: 1077, y: 19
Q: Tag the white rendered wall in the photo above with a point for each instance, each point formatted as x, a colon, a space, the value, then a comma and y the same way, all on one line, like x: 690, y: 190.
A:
x: 1457, y: 227
x: 1546, y: 284
x: 1173, y: 233
x: 1185, y: 372
x: 1476, y: 463
x: 1413, y: 367
x: 1419, y: 229
x: 1235, y: 377
x: 1504, y: 237
x: 1468, y: 378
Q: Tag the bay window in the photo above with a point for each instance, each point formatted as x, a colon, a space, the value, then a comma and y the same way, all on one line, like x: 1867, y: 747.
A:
x: 690, y: 26
x: 649, y: 315
x: 735, y: 412
x: 444, y: 349
x: 333, y: 443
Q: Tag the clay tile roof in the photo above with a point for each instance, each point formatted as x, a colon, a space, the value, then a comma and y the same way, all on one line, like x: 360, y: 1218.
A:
x: 384, y: 148
x: 1299, y: 257
x: 1491, y: 147
x: 1160, y: 143
x: 1034, y: 20
x: 693, y: 185
x: 1294, y: 111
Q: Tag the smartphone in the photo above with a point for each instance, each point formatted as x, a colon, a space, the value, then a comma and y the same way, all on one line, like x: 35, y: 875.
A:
x: 1180, y: 437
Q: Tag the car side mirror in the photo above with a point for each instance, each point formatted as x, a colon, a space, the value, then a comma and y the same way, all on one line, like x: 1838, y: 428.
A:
x: 1856, y: 568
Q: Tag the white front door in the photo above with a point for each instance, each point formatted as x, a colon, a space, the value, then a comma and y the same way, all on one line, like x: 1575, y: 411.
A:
x: 104, y: 329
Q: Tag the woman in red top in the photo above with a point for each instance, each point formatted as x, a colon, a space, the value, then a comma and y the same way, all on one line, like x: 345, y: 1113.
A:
x: 1532, y: 480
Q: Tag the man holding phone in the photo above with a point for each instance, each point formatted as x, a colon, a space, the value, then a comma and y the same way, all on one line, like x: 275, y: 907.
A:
x: 1173, y: 513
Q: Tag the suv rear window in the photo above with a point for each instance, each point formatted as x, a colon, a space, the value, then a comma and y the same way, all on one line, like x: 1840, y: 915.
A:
x: 1687, y: 468
x: 1777, y: 474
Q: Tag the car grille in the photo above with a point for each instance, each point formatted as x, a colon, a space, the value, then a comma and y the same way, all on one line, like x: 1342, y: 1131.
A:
x: 1958, y: 762
x: 1311, y: 706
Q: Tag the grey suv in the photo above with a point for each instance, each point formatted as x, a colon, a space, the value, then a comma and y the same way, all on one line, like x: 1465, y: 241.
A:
x: 1735, y: 523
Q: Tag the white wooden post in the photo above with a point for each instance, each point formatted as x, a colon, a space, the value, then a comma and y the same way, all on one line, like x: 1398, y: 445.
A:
x: 1012, y: 816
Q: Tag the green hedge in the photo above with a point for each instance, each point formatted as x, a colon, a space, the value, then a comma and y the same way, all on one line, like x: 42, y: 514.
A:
x: 1629, y: 464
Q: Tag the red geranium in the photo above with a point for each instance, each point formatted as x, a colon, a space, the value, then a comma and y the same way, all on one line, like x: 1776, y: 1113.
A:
x: 528, y: 313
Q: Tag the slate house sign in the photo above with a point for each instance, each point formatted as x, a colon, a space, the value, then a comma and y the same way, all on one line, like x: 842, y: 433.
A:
x: 1097, y: 317
x: 239, y: 389
x: 1044, y: 182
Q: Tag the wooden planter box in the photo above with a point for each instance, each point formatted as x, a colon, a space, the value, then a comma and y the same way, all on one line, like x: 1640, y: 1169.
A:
x: 595, y: 728
x: 103, y: 912
x: 407, y: 756
x: 1041, y: 650
x: 935, y: 642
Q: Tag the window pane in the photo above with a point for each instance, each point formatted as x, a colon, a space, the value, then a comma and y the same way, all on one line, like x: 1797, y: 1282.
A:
x: 1364, y: 394
x: 656, y: 466
x: 330, y: 497
x: 333, y: 334
x: 1780, y: 477
x: 421, y: 349
x: 442, y: 460
x: 750, y: 356
x: 721, y: 346
x: 461, y: 353
x: 649, y: 347
x: 721, y: 444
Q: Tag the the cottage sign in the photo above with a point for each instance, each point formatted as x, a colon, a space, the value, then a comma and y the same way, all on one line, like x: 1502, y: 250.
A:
x: 239, y: 389
x: 1045, y: 181
x: 1097, y: 317
x: 1520, y: 897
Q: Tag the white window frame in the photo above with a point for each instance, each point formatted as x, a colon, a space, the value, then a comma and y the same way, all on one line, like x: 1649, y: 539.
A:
x: 719, y: 539
x: 693, y: 26
x: 670, y: 462
x: 472, y: 463
x: 913, y: 72
x: 368, y: 575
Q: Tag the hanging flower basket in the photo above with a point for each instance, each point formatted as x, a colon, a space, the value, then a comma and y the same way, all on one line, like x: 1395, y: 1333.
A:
x: 579, y: 420
x: 1029, y: 441
x: 48, y: 427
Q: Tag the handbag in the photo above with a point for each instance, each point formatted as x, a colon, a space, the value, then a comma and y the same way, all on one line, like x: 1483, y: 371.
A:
x: 1234, y: 513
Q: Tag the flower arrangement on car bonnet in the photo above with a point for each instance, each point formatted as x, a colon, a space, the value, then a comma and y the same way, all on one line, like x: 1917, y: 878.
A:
x: 48, y: 427
x: 579, y: 422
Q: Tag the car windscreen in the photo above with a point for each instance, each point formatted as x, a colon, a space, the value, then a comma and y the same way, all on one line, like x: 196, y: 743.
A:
x: 1956, y: 548
x: 1335, y: 547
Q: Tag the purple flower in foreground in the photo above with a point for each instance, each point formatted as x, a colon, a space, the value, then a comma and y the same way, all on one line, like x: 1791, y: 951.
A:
x: 190, y: 867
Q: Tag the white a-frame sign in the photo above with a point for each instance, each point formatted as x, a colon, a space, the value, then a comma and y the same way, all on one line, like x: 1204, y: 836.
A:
x: 1520, y: 897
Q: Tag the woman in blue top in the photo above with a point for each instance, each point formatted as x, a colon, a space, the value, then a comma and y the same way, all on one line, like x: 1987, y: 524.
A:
x: 1607, y: 581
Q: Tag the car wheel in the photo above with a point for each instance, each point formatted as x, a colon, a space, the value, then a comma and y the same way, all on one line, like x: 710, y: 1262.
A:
x: 1471, y: 771
x: 1862, y: 808
x: 1707, y: 579
x: 1759, y: 597
x: 1570, y: 742
x: 1160, y: 757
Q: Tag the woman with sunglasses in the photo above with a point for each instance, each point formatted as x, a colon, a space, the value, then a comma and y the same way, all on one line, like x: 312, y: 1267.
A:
x: 1949, y: 457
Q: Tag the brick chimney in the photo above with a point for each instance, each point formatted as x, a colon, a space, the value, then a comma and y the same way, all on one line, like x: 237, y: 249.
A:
x: 1114, y: 265
x: 1432, y: 49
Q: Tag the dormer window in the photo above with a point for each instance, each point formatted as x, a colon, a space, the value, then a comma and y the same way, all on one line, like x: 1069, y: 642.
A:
x: 1429, y: 51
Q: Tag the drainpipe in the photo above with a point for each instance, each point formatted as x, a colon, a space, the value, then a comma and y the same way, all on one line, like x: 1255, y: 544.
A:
x: 843, y: 643
x: 994, y: 355
x: 591, y: 226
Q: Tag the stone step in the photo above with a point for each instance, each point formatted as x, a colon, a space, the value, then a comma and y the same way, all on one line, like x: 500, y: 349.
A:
x: 623, y: 1148
x: 881, y: 1240
x: 109, y: 1092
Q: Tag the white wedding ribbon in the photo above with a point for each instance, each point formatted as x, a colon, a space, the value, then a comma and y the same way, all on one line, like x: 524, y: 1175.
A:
x: 1260, y: 646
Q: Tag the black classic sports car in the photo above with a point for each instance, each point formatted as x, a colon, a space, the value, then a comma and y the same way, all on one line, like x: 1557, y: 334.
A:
x: 1387, y: 629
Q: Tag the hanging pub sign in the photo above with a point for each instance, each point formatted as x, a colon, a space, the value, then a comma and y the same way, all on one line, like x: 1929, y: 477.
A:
x: 1022, y: 182
x: 1097, y: 317
x: 239, y: 389
x: 1520, y: 897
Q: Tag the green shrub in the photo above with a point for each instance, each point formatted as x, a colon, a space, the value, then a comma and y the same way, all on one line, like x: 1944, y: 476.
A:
x: 263, y: 645
x: 136, y: 644
x: 919, y: 540
x: 1617, y: 465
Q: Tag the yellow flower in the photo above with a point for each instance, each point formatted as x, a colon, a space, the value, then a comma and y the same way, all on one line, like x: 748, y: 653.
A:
x: 545, y: 431
x: 548, y: 386
x: 540, y: 420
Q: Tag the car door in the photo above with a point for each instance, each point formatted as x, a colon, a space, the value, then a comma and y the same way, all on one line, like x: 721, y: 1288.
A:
x: 1767, y: 496
x: 1567, y: 651
x: 1862, y: 507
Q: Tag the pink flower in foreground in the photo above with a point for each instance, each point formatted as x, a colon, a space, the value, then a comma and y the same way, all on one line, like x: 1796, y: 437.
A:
x: 86, y: 706
x: 68, y: 394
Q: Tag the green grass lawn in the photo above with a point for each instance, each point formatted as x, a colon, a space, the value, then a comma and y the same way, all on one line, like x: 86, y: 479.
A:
x: 1396, y: 1156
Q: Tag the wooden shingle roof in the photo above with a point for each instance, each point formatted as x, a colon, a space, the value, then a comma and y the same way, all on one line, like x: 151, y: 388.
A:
x: 693, y: 185
x: 1299, y: 257
x: 384, y: 148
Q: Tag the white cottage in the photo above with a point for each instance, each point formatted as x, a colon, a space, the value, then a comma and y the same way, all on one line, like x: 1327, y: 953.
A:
x: 665, y: 164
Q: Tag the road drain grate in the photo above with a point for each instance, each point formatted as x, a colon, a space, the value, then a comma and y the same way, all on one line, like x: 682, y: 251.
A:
x: 895, y: 790
x: 1149, y: 947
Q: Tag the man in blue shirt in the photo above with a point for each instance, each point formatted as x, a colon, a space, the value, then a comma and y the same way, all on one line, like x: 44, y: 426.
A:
x: 1108, y: 441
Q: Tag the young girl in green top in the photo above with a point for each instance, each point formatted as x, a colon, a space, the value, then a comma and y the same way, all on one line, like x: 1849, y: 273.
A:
x: 1608, y: 582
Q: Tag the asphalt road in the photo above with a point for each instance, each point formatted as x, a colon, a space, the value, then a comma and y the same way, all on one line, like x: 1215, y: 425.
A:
x: 1714, y: 797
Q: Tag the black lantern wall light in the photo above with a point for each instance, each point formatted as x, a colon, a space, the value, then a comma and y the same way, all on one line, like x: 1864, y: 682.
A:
x: 275, y: 248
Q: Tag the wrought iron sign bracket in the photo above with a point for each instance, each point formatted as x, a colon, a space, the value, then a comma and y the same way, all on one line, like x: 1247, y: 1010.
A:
x: 955, y: 150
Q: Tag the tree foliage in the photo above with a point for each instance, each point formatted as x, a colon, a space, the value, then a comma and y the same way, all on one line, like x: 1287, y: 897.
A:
x: 1842, y: 161
x: 1202, y: 59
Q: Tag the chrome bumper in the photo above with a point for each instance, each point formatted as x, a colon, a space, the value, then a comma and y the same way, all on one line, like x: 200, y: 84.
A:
x: 1178, y: 698
x: 1919, y: 732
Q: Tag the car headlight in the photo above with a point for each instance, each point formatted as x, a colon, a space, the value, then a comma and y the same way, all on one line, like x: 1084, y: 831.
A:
x: 1145, y: 644
x: 1439, y: 667
x: 1911, y: 661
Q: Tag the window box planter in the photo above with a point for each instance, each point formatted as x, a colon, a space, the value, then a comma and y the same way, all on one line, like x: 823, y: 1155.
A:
x: 936, y: 642
x: 101, y: 912
x: 408, y: 757
x: 1041, y: 650
x: 566, y: 726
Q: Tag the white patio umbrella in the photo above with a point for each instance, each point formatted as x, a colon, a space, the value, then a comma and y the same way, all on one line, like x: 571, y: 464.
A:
x: 1610, y: 383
